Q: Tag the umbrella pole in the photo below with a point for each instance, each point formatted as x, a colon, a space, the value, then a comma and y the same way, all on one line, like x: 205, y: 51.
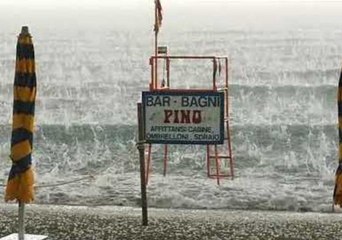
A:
x: 21, y: 232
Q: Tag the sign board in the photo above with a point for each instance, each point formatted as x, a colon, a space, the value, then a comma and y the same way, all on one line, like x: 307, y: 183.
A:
x: 183, y: 117
x: 162, y: 49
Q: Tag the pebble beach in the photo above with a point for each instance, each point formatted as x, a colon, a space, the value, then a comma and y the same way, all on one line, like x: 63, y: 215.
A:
x: 80, y: 222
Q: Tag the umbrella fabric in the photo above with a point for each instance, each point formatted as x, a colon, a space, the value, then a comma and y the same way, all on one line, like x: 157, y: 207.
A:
x: 21, y: 177
x: 338, y: 182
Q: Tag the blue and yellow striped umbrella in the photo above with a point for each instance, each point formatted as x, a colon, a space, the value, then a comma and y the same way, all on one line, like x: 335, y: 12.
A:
x: 338, y: 182
x: 21, y: 177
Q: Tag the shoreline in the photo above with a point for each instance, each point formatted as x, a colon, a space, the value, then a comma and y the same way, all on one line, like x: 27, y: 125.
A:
x: 112, y: 222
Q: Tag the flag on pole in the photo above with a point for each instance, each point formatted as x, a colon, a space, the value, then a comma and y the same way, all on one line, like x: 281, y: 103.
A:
x: 21, y: 177
x: 338, y: 176
x: 159, y: 16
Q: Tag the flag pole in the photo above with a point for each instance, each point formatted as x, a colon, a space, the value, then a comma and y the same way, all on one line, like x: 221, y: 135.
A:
x: 156, y: 30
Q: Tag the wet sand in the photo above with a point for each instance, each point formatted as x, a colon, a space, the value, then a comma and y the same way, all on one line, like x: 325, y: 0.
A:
x: 71, y: 222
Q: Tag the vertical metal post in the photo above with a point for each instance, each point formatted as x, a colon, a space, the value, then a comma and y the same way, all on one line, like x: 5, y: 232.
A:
x: 214, y: 73
x: 217, y: 166
x: 227, y: 86
x: 165, y: 158
x: 208, y: 161
x: 141, y: 149
x: 231, y: 161
x: 21, y: 222
x: 168, y: 72
x: 148, y: 167
x: 156, y: 30
x: 152, y: 74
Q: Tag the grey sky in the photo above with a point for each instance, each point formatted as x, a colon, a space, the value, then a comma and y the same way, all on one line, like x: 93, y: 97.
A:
x: 143, y: 2
x: 139, y: 13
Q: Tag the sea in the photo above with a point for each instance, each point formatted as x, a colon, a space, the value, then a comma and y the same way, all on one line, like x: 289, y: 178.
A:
x: 93, y: 63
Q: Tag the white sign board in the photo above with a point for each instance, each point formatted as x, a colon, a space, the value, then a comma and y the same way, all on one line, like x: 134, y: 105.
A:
x: 186, y: 117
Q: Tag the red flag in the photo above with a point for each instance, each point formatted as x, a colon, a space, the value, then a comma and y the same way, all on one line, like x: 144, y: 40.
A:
x: 159, y: 16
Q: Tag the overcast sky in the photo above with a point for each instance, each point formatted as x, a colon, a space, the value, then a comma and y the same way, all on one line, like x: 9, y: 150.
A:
x: 143, y: 2
x: 139, y: 13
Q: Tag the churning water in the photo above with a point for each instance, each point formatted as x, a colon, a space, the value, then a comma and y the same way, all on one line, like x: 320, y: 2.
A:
x: 283, y: 85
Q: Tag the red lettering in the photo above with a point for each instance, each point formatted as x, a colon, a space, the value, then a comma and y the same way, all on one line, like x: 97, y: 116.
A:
x: 176, y: 117
x: 197, y: 117
x: 167, y: 114
x: 182, y: 116
x: 185, y: 116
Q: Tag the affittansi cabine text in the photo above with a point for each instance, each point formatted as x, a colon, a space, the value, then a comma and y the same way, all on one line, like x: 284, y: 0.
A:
x: 186, y: 116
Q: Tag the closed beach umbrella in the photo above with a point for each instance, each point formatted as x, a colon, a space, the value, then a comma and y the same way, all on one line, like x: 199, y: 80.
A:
x: 338, y: 183
x: 21, y: 177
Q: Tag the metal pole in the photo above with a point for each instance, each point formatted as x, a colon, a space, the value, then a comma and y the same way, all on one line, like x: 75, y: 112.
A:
x: 208, y: 161
x: 21, y: 223
x: 165, y: 158
x: 168, y: 72
x: 156, y: 30
x: 148, y: 168
x: 228, y: 124
x: 217, y: 166
x: 141, y: 149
